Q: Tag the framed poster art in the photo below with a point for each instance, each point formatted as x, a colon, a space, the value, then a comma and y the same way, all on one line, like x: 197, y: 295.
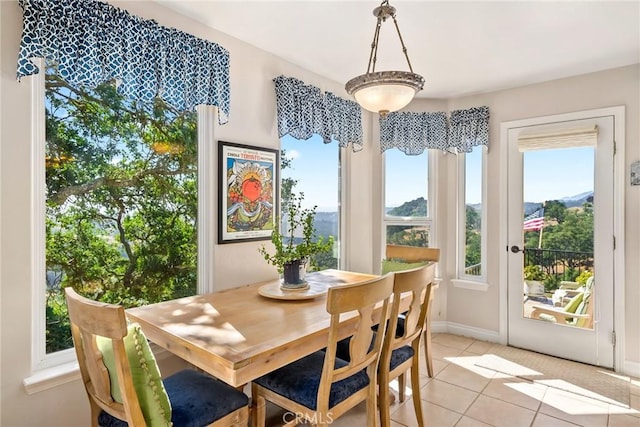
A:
x: 248, y: 192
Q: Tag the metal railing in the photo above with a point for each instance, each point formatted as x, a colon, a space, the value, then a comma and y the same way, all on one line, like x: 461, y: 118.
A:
x: 473, y: 270
x: 558, y: 263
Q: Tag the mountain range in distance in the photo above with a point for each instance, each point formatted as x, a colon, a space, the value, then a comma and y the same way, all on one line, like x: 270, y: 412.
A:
x: 326, y: 222
x: 570, y: 201
x: 414, y: 207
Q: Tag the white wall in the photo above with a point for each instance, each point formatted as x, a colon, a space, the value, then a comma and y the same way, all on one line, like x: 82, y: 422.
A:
x: 615, y: 87
x: 253, y: 122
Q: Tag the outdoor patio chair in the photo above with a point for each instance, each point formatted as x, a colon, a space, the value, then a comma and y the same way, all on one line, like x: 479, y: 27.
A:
x: 577, y: 312
x: 568, y: 290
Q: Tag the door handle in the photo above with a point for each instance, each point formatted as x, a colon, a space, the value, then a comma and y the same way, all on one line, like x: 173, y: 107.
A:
x: 516, y: 249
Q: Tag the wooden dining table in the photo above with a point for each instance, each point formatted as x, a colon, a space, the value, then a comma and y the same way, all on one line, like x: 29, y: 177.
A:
x: 238, y: 335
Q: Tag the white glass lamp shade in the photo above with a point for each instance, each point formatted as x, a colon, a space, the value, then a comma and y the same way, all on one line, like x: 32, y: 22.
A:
x: 384, y: 98
x: 385, y: 91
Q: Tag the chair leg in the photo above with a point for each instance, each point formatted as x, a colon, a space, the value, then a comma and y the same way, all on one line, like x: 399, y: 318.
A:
x: 415, y: 391
x: 427, y: 348
x: 372, y: 401
x: 258, y: 411
x: 401, y: 387
x: 383, y: 401
x: 95, y: 412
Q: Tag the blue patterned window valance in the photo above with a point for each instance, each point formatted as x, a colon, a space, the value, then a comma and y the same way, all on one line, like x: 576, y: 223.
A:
x: 469, y: 128
x: 304, y: 110
x: 412, y: 133
x: 93, y: 42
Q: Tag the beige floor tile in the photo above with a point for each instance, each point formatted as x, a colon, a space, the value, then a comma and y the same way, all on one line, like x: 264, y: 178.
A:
x: 395, y: 386
x: 457, y: 375
x: 455, y: 341
x: 499, y: 413
x: 519, y: 392
x: 438, y: 366
x: 434, y: 415
x: 354, y: 417
x: 447, y: 395
x: 622, y: 410
x: 621, y: 420
x: 441, y: 351
x: 634, y: 403
x: 543, y: 420
x: 575, y: 408
x: 470, y: 422
x: 473, y: 363
x: 480, y: 347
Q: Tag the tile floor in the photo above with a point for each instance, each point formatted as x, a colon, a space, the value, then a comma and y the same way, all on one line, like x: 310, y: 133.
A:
x: 478, y: 384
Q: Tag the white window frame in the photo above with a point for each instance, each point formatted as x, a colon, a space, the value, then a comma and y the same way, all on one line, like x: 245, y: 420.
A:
x: 49, y: 370
x: 427, y: 221
x: 461, y: 222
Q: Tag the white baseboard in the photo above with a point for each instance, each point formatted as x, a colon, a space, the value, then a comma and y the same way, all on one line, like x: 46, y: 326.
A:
x: 631, y: 368
x: 465, y: 331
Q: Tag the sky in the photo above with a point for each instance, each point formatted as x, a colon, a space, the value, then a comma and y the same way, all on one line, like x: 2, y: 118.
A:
x: 548, y: 175
x: 315, y: 166
x: 554, y: 174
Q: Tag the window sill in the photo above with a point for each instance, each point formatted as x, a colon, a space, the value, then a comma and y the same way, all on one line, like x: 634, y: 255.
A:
x: 470, y: 284
x: 51, y: 377
x: 63, y: 373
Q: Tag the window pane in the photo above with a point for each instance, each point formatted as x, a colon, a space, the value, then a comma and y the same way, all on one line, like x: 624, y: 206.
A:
x: 121, y: 202
x: 558, y: 229
x: 473, y: 213
x: 313, y: 168
x: 406, y: 179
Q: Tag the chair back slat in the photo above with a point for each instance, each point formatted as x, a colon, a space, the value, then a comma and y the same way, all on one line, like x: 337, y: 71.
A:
x: 90, y: 319
x: 415, y: 284
x: 411, y: 254
x: 365, y: 298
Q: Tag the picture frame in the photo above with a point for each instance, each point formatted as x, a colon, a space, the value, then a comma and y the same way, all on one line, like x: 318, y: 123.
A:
x: 248, y: 192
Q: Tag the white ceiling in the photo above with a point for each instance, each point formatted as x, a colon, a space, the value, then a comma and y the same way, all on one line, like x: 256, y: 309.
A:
x: 460, y: 48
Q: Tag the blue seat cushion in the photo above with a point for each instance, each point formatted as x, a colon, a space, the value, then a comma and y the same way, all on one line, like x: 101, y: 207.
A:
x: 400, y: 355
x: 299, y: 381
x: 197, y: 399
x: 342, y: 347
x: 399, y: 327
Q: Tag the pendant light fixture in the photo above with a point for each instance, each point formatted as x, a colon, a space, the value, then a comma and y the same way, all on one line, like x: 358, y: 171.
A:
x: 384, y: 91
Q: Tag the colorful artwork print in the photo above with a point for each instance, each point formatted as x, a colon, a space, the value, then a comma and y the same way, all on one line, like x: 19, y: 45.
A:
x: 248, y: 192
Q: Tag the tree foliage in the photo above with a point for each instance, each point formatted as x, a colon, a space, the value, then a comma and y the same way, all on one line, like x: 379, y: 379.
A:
x: 413, y: 208
x: 121, y: 200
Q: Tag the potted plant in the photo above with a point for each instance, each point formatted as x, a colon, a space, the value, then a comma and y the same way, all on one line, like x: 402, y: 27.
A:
x: 534, y: 277
x: 292, y: 253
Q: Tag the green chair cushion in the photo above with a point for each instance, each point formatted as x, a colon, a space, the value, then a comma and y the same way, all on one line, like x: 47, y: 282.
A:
x: 147, y: 380
x: 574, y: 303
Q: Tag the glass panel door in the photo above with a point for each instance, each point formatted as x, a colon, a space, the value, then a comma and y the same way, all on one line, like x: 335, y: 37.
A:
x: 560, y: 227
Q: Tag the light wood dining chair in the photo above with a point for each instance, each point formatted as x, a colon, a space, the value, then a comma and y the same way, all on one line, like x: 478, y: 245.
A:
x: 401, y: 351
x: 123, y: 382
x: 415, y: 254
x: 321, y: 387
